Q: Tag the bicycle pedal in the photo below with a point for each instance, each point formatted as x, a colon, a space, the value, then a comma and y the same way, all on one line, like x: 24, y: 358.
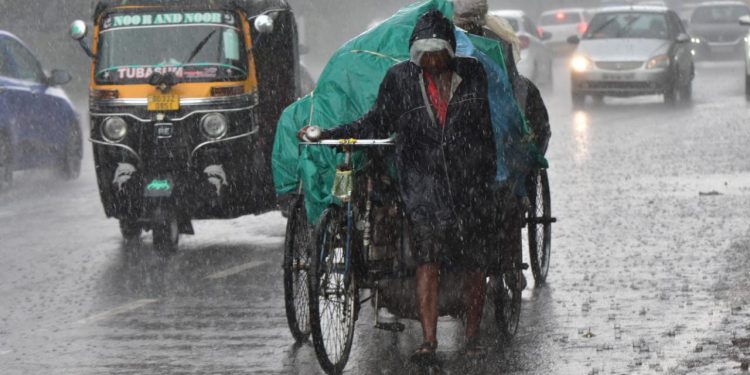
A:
x: 392, y: 327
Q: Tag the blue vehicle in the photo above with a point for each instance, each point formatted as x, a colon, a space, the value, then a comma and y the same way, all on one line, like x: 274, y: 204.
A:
x: 38, y: 126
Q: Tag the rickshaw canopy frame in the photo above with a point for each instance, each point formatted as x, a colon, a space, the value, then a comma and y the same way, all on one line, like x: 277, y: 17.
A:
x: 251, y: 8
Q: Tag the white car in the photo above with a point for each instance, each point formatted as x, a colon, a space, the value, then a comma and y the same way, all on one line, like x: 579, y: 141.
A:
x: 536, y: 58
x: 562, y: 24
x: 631, y: 51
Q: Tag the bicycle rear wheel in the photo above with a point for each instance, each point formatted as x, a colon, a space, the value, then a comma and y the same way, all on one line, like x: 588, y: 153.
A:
x: 333, y: 293
x: 297, y: 248
x: 540, y: 226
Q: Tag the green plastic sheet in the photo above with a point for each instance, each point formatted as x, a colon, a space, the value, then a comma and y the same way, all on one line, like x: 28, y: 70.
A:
x: 346, y: 90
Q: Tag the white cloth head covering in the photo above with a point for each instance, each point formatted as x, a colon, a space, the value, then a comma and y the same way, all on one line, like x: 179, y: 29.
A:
x: 422, y: 46
x: 504, y: 30
x: 470, y: 12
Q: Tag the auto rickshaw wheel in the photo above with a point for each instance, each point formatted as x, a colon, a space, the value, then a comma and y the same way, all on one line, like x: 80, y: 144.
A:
x: 70, y: 160
x: 334, y: 296
x: 539, y: 219
x: 166, y: 235
x: 130, y: 230
x: 297, y: 248
x: 6, y: 163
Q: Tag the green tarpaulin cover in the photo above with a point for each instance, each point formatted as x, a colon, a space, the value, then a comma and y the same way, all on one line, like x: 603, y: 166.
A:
x: 348, y: 87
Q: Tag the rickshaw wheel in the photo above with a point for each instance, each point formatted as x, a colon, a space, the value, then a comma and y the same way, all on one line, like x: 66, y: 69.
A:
x: 333, y: 294
x: 296, y: 269
x: 507, y: 297
x: 130, y: 230
x: 540, y: 226
x: 166, y: 236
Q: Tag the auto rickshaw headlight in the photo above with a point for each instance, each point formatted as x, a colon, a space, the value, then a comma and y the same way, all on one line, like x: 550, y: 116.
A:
x: 264, y: 24
x: 114, y: 129
x: 214, y: 125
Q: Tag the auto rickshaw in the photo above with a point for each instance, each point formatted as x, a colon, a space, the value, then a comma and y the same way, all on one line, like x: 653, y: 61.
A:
x: 184, y: 100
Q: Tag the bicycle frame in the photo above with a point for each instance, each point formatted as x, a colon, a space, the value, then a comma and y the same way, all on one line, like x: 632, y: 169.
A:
x: 348, y: 146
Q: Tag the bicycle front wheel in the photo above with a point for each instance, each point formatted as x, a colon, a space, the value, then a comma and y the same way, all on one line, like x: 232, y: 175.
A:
x: 297, y: 248
x: 333, y: 293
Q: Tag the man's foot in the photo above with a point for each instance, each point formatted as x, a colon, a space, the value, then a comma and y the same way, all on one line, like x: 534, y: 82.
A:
x: 425, y: 354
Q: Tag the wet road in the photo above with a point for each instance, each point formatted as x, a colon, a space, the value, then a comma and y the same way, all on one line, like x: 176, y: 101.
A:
x: 648, y: 276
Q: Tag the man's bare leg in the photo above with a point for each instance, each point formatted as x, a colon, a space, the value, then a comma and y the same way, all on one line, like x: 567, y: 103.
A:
x: 474, y: 292
x: 427, y: 300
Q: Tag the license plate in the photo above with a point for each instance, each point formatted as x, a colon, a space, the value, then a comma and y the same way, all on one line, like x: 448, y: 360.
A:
x: 159, y: 188
x: 163, y: 103
x: 618, y: 77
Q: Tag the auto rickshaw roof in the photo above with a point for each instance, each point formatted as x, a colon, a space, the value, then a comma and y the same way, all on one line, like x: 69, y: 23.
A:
x: 250, y: 7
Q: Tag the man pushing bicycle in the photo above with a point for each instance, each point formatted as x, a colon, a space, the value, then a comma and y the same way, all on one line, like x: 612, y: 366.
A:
x: 437, y: 105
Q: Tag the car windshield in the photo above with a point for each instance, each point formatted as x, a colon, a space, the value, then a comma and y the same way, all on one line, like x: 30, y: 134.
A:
x: 628, y: 25
x: 719, y: 14
x: 559, y: 18
x: 195, y: 47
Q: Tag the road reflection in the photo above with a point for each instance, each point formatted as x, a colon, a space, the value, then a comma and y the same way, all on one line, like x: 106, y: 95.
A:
x: 581, y: 123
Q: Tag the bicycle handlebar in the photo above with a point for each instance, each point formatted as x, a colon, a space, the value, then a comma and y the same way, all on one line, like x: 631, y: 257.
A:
x: 351, y: 142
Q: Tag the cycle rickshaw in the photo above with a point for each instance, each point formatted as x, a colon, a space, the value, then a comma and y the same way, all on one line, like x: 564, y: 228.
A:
x: 359, y: 244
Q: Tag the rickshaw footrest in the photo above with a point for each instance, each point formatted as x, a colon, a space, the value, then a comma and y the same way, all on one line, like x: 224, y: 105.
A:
x: 392, y: 327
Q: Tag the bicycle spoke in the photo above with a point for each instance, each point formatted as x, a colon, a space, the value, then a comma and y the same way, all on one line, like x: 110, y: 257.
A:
x: 301, y: 293
x: 335, y: 305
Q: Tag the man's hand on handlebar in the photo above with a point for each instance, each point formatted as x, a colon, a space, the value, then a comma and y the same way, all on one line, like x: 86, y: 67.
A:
x: 310, y: 134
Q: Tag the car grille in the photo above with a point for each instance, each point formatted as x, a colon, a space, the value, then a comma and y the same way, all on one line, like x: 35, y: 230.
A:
x: 619, y: 65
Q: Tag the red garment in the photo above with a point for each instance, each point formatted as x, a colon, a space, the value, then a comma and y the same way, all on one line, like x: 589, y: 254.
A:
x: 438, y: 101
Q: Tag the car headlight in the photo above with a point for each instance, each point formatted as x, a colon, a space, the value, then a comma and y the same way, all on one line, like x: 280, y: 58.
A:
x: 114, y: 129
x: 696, y: 40
x: 658, y: 62
x: 580, y: 64
x: 214, y: 125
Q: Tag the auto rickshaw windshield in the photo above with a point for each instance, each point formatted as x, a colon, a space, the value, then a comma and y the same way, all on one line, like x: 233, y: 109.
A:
x: 195, y: 47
